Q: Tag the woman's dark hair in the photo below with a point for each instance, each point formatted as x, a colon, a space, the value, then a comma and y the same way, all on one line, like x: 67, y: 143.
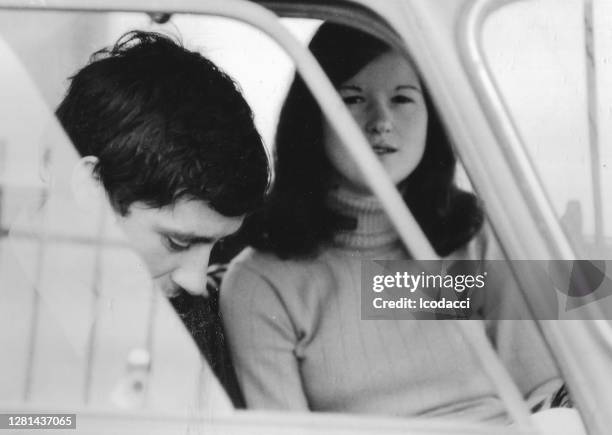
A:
x: 297, y: 220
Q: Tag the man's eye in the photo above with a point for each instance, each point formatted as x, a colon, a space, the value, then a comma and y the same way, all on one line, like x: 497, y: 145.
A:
x: 402, y: 99
x: 352, y: 99
x: 176, y: 245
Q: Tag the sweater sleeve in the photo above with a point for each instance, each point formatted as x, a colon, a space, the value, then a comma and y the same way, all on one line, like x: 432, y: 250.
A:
x: 262, y: 341
x: 519, y: 343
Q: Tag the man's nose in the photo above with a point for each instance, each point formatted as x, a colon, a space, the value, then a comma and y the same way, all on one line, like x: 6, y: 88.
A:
x: 379, y: 119
x: 190, y: 274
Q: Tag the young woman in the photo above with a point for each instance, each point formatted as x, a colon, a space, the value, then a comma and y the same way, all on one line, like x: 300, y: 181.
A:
x: 291, y: 304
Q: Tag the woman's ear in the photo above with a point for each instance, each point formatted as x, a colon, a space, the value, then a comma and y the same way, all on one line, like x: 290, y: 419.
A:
x: 87, y: 189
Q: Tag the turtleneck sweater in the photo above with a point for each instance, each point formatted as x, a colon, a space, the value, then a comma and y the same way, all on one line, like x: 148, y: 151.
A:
x: 298, y: 342
x: 373, y: 231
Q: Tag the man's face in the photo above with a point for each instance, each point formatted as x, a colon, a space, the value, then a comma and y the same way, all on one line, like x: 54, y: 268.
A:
x: 175, y: 241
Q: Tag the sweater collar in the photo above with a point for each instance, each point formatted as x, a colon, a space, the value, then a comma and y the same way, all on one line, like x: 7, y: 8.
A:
x: 373, y: 231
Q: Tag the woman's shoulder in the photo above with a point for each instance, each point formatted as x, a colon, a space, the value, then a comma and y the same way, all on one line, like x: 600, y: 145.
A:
x: 253, y: 259
x: 268, y: 262
x: 248, y: 268
x: 248, y: 279
x: 252, y: 266
x: 262, y: 281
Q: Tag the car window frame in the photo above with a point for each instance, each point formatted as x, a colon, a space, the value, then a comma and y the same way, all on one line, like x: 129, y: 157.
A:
x: 569, y: 340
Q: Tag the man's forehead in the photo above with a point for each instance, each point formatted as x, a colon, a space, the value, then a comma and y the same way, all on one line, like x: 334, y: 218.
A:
x: 189, y: 219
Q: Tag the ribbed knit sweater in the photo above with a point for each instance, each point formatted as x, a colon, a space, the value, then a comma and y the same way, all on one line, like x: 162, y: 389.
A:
x: 298, y: 342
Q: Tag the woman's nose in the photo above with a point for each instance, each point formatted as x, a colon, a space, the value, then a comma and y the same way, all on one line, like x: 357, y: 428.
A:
x: 379, y: 119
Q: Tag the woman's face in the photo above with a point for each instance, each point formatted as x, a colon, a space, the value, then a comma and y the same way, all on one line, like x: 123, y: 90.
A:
x: 386, y: 100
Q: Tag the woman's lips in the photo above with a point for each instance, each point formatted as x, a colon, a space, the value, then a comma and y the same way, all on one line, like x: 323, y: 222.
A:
x: 383, y: 148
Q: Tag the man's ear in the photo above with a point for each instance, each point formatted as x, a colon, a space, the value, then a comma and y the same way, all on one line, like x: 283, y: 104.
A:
x: 87, y: 189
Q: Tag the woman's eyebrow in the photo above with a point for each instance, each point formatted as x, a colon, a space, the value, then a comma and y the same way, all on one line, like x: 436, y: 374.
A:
x: 350, y: 88
x: 408, y: 87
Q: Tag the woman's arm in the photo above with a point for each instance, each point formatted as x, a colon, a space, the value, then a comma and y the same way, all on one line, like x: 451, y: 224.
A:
x: 519, y: 343
x: 262, y: 341
x: 525, y: 354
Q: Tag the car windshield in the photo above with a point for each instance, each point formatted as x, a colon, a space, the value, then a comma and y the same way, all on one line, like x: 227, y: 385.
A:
x: 82, y: 325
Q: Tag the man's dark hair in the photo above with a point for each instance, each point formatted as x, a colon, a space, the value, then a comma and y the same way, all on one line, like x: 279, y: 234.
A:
x: 165, y: 123
x: 298, y: 219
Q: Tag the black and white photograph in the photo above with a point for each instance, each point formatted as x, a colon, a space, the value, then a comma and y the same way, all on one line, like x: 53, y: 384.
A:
x: 306, y: 216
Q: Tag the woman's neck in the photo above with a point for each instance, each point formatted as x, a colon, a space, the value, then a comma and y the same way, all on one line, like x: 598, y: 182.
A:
x: 373, y: 230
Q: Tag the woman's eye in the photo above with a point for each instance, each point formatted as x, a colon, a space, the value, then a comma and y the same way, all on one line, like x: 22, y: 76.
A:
x: 176, y: 245
x: 352, y: 99
x: 402, y: 99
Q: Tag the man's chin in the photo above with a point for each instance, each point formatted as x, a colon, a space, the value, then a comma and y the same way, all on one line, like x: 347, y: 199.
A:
x: 169, y: 292
x: 174, y: 292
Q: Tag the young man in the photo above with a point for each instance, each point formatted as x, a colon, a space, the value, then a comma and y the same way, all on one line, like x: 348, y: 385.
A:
x: 172, y: 141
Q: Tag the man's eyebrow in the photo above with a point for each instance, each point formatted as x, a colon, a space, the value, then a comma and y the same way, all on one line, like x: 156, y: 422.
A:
x: 187, y: 236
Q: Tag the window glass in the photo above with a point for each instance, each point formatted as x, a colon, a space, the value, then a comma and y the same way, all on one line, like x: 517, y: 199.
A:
x: 80, y: 323
x: 545, y: 63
